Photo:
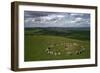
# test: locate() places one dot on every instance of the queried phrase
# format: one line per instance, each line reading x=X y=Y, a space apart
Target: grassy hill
x=56 y=43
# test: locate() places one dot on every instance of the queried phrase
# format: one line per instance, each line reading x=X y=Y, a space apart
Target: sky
x=55 y=19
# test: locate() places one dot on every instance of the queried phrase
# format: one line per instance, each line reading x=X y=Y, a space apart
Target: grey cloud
x=56 y=19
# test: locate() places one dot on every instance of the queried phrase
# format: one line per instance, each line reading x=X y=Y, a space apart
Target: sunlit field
x=56 y=43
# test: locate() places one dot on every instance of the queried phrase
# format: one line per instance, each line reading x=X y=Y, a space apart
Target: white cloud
x=45 y=19
x=73 y=14
x=57 y=20
x=78 y=19
x=28 y=20
x=77 y=14
x=72 y=21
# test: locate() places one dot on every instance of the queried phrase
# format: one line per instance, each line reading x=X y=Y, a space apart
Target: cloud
x=49 y=19
x=78 y=19
x=45 y=19
x=77 y=14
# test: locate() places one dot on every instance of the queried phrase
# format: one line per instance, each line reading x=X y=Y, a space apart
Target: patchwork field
x=56 y=43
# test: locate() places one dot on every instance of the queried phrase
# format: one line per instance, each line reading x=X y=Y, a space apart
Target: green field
x=56 y=43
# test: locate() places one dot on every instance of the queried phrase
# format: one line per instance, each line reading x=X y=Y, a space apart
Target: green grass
x=37 y=41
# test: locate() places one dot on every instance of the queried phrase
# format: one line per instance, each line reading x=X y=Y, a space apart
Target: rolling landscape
x=56 y=36
x=56 y=43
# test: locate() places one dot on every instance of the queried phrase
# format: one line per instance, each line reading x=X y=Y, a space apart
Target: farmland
x=56 y=43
